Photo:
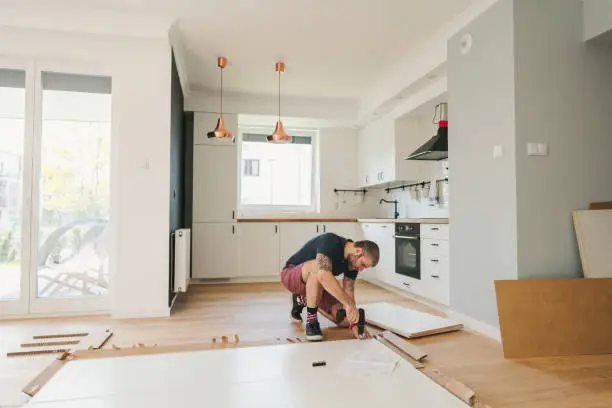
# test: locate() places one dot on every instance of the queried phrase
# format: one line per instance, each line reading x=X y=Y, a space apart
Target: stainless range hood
x=436 y=148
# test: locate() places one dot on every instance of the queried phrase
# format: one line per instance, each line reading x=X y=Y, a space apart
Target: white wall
x=481 y=86
x=339 y=169
x=140 y=70
x=563 y=98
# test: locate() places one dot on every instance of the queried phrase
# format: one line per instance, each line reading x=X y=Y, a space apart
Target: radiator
x=182 y=259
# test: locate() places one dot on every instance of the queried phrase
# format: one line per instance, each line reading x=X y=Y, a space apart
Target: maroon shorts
x=291 y=277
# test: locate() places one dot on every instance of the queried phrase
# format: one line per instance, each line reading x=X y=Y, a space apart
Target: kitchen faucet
x=396 y=214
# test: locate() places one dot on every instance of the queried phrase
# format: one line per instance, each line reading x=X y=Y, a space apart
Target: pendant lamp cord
x=279 y=92
x=221 y=102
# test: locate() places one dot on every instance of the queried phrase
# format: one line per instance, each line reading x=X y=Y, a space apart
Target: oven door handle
x=410 y=238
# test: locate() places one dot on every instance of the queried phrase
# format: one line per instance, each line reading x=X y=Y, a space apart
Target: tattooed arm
x=348 y=285
x=331 y=285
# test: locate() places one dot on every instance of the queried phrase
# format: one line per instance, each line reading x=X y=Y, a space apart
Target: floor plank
x=259 y=312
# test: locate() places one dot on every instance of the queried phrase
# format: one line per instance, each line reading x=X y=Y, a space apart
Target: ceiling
x=331 y=48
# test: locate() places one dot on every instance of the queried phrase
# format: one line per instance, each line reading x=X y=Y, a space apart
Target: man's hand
x=352 y=314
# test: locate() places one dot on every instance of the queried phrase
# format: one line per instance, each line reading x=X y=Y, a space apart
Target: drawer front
x=431 y=248
x=434 y=231
x=437 y=289
x=434 y=267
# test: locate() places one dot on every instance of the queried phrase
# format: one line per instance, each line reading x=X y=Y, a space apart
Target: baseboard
x=477 y=326
x=469 y=323
x=55 y=315
x=254 y=279
x=142 y=315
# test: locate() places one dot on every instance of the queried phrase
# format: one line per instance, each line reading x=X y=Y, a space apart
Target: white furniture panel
x=344 y=229
x=259 y=249
x=214 y=183
x=270 y=376
x=215 y=250
x=204 y=122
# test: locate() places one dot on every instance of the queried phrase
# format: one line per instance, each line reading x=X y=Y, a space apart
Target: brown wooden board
x=607 y=205
x=554 y=317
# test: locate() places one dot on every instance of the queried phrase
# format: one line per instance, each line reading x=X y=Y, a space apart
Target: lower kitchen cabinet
x=259 y=249
x=214 y=250
x=381 y=234
x=293 y=236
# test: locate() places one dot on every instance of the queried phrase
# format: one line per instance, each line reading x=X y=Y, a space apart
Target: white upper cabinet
x=214 y=183
x=204 y=122
x=383 y=145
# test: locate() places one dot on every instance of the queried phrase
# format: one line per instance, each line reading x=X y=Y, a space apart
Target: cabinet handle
x=276 y=229
x=233 y=229
x=435 y=228
x=382 y=176
x=317 y=228
x=406 y=284
x=435 y=276
x=434 y=260
x=324 y=228
x=233 y=214
x=434 y=244
x=367 y=178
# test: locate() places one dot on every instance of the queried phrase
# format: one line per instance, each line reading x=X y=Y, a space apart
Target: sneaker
x=296 y=309
x=313 y=331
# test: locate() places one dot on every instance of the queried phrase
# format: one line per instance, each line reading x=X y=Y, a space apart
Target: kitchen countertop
x=297 y=219
x=415 y=220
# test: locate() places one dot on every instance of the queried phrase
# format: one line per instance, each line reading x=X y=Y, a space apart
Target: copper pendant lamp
x=220 y=132
x=279 y=135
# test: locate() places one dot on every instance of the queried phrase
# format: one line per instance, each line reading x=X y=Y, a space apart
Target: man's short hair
x=370 y=248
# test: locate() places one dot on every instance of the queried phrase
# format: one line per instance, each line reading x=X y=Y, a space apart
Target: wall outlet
x=537 y=149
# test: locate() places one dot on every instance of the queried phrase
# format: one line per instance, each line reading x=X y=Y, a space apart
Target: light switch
x=497 y=151
x=537 y=149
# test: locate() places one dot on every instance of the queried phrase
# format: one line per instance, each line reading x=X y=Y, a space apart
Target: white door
x=259 y=249
x=214 y=250
x=55 y=163
x=214 y=183
x=293 y=235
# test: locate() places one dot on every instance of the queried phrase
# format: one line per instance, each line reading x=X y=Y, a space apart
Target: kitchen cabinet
x=381 y=234
x=293 y=235
x=204 y=122
x=344 y=229
x=215 y=249
x=435 y=271
x=258 y=249
x=383 y=145
x=214 y=183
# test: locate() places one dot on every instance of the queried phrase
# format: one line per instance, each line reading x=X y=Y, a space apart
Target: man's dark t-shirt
x=328 y=244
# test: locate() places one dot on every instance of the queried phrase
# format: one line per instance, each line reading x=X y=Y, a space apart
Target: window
x=277 y=177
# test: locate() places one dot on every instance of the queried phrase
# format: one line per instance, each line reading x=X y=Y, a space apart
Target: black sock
x=312 y=314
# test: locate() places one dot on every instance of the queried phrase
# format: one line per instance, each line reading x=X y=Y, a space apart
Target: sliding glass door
x=55 y=227
x=14 y=208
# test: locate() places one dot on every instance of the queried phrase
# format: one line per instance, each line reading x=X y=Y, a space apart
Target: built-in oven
x=408 y=249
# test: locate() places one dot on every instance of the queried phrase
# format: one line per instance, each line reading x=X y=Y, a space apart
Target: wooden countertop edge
x=297 y=220
x=379 y=220
x=414 y=220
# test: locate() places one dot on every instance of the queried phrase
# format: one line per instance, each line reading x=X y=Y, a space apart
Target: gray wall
x=563 y=98
x=597 y=18
x=482 y=189
x=529 y=77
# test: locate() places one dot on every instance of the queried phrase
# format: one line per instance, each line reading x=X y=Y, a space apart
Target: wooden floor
x=261 y=312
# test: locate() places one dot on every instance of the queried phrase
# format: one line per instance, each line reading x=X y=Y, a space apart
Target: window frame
x=265 y=209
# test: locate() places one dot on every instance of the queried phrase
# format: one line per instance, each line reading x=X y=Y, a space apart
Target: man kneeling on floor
x=310 y=275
